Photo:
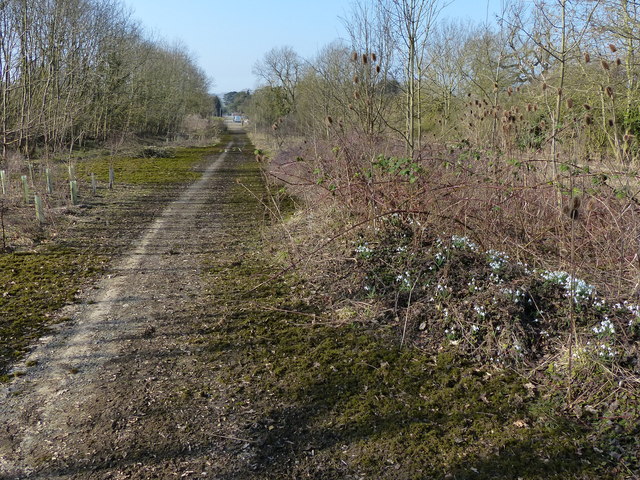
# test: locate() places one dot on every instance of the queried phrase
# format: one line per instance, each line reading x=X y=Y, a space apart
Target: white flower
x=605 y=327
x=463 y=243
x=480 y=311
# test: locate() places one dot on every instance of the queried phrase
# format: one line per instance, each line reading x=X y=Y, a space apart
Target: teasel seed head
x=572 y=209
x=588 y=119
x=354 y=56
x=569 y=103
x=604 y=64
x=618 y=62
x=611 y=123
x=587 y=106
x=613 y=48
x=609 y=91
x=365 y=59
x=373 y=57
x=587 y=57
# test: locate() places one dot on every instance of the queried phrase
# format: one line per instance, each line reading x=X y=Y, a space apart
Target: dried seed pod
x=355 y=79
x=587 y=106
x=544 y=86
x=373 y=57
x=354 y=56
x=609 y=91
x=572 y=209
x=611 y=123
x=613 y=48
x=569 y=103
x=604 y=64
x=618 y=62
x=588 y=119
x=328 y=120
x=365 y=59
x=377 y=68
x=587 y=57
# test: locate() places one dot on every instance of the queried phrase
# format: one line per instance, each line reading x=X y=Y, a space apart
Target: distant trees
x=234 y=102
x=72 y=70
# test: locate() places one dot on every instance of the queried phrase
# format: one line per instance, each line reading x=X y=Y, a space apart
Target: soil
x=118 y=391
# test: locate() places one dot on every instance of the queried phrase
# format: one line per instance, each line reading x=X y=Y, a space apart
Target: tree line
x=540 y=76
x=73 y=71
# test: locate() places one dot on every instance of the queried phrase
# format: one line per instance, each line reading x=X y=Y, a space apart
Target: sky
x=227 y=37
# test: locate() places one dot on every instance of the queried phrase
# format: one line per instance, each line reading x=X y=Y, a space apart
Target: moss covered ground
x=176 y=167
x=76 y=246
x=347 y=402
x=34 y=285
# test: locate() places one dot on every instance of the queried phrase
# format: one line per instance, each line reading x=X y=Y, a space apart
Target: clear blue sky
x=227 y=37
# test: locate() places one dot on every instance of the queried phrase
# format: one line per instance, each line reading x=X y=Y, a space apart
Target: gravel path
x=110 y=394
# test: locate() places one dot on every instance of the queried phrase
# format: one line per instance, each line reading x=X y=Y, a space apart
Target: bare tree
x=412 y=22
x=281 y=67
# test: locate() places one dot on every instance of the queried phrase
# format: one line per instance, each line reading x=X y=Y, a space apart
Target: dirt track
x=117 y=392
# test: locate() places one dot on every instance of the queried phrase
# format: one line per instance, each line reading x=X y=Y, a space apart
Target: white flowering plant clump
x=487 y=304
x=578 y=289
x=463 y=243
x=497 y=260
x=364 y=251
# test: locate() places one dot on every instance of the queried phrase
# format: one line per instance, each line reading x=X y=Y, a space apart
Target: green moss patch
x=347 y=400
x=177 y=168
x=33 y=285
